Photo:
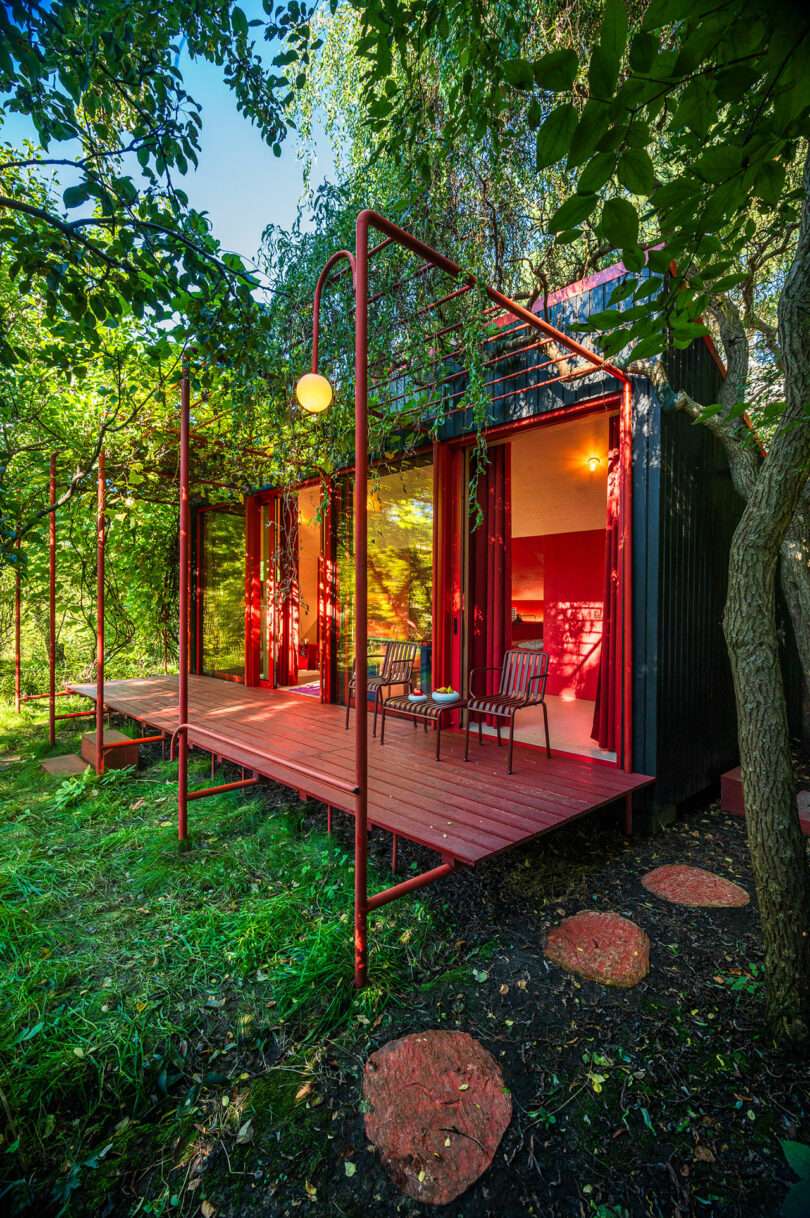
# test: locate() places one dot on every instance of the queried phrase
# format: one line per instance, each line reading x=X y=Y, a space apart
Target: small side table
x=425 y=712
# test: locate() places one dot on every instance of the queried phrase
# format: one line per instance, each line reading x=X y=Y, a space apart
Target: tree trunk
x=777 y=846
x=795 y=579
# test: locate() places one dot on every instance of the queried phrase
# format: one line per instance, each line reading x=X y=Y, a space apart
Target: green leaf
x=664 y=12
x=619 y=223
x=798 y=1158
x=603 y=72
x=636 y=171
x=797 y=1202
x=719 y=162
x=573 y=211
x=769 y=182
x=614 y=28
x=642 y=51
x=633 y=258
x=557 y=70
x=593 y=123
x=239 y=21
x=696 y=108
x=596 y=173
x=518 y=73
x=74 y=196
x=554 y=136
x=653 y=344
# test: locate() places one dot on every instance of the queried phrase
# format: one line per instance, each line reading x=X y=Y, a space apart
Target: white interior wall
x=553 y=490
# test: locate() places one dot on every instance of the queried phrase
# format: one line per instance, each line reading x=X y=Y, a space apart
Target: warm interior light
x=593 y=463
x=314 y=392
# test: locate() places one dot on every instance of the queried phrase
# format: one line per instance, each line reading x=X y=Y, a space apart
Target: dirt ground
x=662 y=1101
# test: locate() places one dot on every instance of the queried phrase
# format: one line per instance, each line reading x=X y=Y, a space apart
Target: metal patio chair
x=396 y=669
x=523 y=677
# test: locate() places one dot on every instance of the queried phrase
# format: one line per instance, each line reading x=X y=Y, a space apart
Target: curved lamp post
x=314 y=394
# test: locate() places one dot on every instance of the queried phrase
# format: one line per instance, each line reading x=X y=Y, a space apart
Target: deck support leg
x=101 y=537
x=328 y=818
x=52 y=606
x=182 y=708
x=628 y=813
x=17 y=630
x=213 y=764
x=361 y=901
x=394 y=852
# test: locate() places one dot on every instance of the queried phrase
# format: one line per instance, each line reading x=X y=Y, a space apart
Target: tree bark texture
x=778 y=852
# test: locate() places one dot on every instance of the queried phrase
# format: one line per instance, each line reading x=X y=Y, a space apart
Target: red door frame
x=448 y=556
x=253 y=588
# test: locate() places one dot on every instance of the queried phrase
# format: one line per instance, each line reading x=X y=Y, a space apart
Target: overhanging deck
x=464 y=811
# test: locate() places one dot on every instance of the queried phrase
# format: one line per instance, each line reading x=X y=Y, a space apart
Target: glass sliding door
x=222 y=594
x=400 y=566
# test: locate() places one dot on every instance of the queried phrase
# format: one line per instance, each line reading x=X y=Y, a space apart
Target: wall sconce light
x=593 y=463
x=314 y=393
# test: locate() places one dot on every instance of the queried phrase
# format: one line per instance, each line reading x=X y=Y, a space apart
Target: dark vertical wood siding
x=697 y=725
x=646 y=537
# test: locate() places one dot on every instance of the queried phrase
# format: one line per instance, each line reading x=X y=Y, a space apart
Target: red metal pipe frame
x=122 y=744
x=626 y=572
x=202 y=792
x=183 y=728
x=17 y=633
x=358 y=266
x=361 y=904
x=101 y=537
x=185 y=524
x=52 y=605
x=409 y=885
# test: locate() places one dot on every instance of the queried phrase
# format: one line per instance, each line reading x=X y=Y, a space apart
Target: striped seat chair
x=523 y=677
x=398 y=660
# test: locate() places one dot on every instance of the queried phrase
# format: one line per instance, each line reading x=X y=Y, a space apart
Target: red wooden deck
x=465 y=812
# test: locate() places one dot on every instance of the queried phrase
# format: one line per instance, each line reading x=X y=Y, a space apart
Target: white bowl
x=446 y=699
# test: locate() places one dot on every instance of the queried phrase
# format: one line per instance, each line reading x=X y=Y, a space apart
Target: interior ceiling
x=553 y=488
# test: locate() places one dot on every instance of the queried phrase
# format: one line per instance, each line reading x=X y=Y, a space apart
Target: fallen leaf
x=303 y=1091
x=704 y=1155
x=207 y=1209
x=349 y=1168
x=245 y=1133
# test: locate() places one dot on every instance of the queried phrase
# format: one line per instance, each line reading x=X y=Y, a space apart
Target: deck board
x=465 y=811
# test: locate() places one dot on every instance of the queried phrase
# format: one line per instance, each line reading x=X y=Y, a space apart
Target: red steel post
x=17 y=632
x=52 y=607
x=626 y=499
x=101 y=533
x=182 y=707
x=360 y=597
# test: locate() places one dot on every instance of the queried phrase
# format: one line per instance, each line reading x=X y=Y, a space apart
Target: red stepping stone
x=684 y=885
x=437 y=1110
x=603 y=947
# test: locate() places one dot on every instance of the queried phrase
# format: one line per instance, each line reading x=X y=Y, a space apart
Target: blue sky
x=239 y=182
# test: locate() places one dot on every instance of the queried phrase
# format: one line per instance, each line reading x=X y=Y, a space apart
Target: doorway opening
x=542 y=574
x=290 y=559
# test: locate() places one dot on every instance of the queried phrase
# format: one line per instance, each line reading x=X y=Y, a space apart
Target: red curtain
x=607 y=717
x=287 y=671
x=490 y=587
x=448 y=510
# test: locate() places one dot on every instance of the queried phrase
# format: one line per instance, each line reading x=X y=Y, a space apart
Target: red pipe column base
x=183 y=839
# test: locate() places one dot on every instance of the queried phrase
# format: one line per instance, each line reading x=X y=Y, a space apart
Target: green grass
x=136 y=983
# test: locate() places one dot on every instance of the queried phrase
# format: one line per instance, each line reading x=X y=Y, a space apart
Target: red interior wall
x=573 y=588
